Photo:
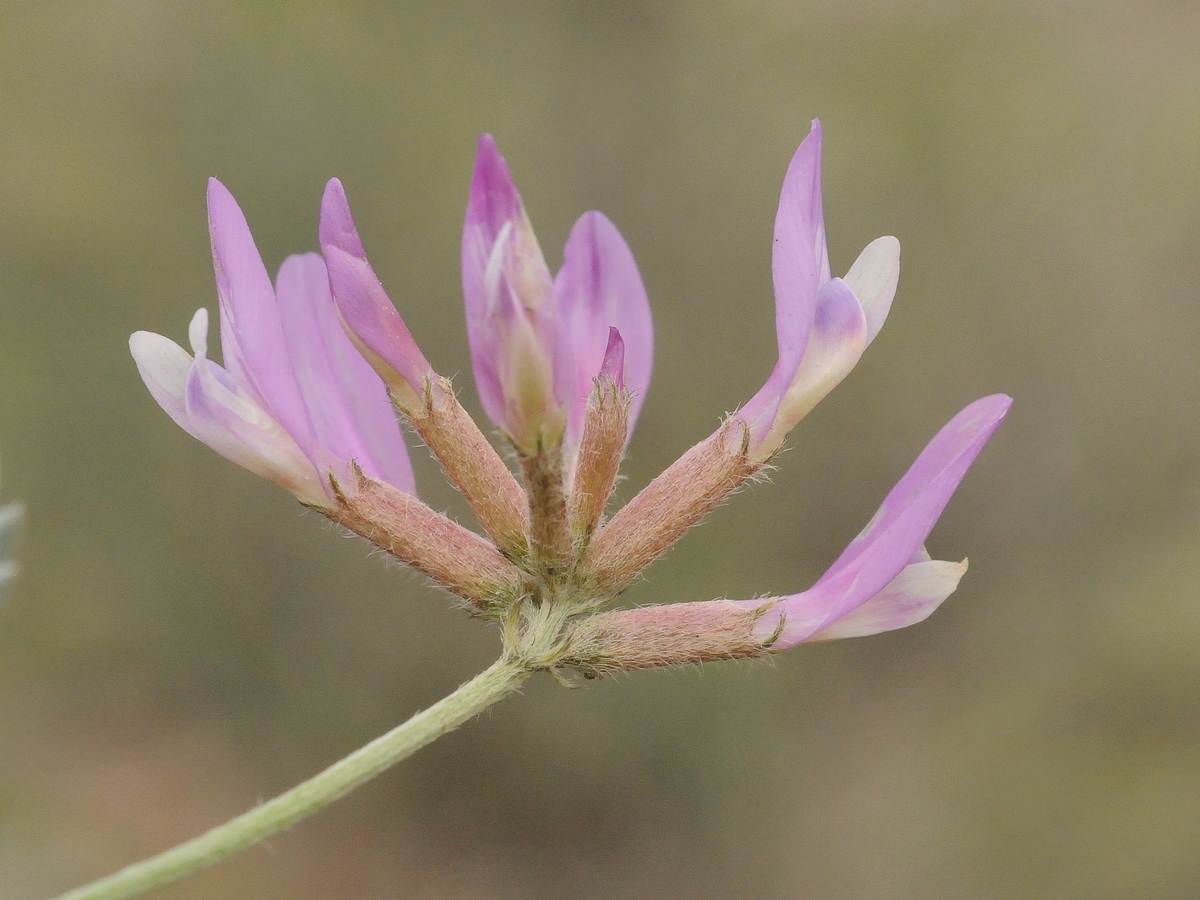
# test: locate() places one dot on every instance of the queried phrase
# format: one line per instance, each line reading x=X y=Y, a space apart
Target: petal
x=347 y=402
x=226 y=418
x=909 y=598
x=494 y=200
x=800 y=260
x=835 y=344
x=370 y=319
x=873 y=278
x=800 y=267
x=896 y=535
x=598 y=288
x=252 y=342
x=613 y=365
x=164 y=367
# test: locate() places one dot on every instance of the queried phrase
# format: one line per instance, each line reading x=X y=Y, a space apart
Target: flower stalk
x=490 y=686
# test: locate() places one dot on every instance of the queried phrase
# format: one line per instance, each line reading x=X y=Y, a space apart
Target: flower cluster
x=316 y=363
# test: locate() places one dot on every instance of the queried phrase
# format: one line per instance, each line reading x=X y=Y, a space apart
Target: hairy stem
x=274 y=816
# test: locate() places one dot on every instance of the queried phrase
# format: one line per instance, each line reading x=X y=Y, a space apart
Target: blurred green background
x=184 y=640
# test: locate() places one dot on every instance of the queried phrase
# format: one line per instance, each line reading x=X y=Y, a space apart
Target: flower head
x=562 y=364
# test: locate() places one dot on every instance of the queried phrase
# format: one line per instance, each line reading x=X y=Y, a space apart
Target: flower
x=537 y=345
x=823 y=324
x=885 y=579
x=295 y=401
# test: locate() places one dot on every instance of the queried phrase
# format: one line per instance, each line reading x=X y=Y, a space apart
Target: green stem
x=494 y=684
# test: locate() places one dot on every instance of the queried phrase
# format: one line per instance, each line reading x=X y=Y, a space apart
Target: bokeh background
x=184 y=640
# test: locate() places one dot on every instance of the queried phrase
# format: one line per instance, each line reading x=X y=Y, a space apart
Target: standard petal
x=252 y=344
x=164 y=367
x=347 y=402
x=231 y=422
x=598 y=288
x=493 y=209
x=909 y=598
x=370 y=319
x=873 y=278
x=800 y=259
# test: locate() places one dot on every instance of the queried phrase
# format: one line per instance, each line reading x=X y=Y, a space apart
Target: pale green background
x=185 y=640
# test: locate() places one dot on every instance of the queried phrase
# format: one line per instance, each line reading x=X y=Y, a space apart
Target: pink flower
x=823 y=324
x=294 y=400
x=885 y=579
x=537 y=344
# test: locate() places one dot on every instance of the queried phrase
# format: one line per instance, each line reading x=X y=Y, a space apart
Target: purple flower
x=538 y=344
x=294 y=400
x=885 y=579
x=822 y=324
x=370 y=319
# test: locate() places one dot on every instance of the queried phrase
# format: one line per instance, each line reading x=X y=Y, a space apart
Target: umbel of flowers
x=317 y=364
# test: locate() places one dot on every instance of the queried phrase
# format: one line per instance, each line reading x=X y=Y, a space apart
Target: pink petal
x=835 y=344
x=938 y=469
x=598 y=288
x=613 y=365
x=800 y=267
x=252 y=342
x=347 y=402
x=800 y=260
x=494 y=200
x=370 y=318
